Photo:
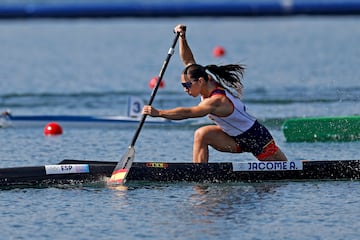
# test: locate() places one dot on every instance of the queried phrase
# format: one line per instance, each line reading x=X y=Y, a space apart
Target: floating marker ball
x=153 y=82
x=218 y=51
x=52 y=128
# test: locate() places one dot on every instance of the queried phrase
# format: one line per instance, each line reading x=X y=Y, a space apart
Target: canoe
x=80 y=121
x=311 y=129
x=88 y=171
x=131 y=119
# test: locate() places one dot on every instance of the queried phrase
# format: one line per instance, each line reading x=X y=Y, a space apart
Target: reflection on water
x=230 y=199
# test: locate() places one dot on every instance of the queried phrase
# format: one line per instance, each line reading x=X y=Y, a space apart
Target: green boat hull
x=322 y=129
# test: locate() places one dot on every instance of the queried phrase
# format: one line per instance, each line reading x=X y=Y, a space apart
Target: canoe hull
x=80 y=121
x=84 y=171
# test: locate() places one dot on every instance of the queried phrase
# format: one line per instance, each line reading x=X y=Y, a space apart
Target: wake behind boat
x=86 y=171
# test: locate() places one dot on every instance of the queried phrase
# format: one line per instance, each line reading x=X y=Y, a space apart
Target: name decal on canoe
x=267 y=166
x=157 y=165
x=66 y=168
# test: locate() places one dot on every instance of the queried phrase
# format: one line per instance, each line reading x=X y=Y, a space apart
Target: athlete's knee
x=205 y=136
x=200 y=134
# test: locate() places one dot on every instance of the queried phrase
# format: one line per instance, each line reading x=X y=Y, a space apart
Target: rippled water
x=295 y=210
x=297 y=66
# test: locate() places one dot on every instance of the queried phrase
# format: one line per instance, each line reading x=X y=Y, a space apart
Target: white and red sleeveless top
x=238 y=121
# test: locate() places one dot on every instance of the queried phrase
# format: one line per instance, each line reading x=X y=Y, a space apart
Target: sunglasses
x=188 y=85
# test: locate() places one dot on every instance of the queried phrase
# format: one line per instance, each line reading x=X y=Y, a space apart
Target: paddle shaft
x=161 y=74
x=123 y=167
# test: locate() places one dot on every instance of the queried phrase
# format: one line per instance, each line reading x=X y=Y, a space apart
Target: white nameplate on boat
x=66 y=168
x=267 y=166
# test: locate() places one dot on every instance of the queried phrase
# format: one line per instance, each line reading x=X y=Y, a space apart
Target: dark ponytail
x=232 y=74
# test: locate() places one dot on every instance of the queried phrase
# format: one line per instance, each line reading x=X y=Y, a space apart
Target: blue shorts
x=257 y=140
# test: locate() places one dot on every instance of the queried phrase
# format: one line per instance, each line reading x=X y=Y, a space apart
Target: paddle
x=121 y=170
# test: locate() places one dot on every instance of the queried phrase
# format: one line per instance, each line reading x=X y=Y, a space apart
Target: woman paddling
x=220 y=88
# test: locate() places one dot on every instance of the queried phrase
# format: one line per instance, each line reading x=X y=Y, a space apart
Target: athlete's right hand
x=180 y=29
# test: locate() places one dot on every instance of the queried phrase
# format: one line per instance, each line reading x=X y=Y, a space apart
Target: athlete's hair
x=227 y=76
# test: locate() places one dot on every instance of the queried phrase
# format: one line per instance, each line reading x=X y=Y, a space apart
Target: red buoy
x=153 y=81
x=52 y=128
x=218 y=51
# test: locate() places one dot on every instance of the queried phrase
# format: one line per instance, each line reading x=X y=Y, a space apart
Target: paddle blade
x=121 y=170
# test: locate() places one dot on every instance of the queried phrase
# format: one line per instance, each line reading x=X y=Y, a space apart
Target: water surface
x=296 y=66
